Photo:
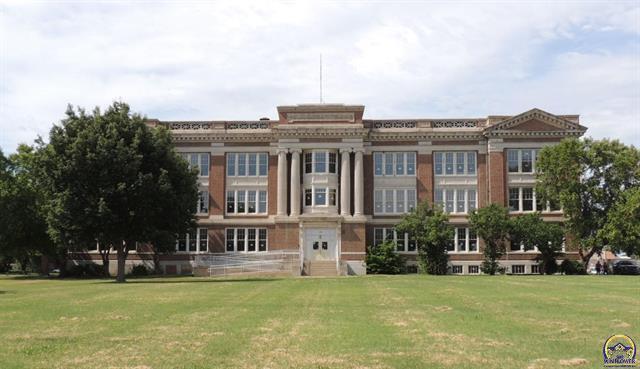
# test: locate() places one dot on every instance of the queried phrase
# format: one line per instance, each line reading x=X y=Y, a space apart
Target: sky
x=196 y=60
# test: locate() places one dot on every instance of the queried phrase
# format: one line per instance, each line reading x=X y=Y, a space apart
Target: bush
x=570 y=267
x=383 y=259
x=89 y=270
x=139 y=270
x=5 y=264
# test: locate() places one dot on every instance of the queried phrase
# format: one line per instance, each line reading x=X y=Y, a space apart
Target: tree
x=588 y=178
x=622 y=229
x=429 y=226
x=23 y=230
x=492 y=224
x=531 y=231
x=383 y=259
x=111 y=179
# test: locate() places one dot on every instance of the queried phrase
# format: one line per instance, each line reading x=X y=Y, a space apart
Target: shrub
x=88 y=270
x=570 y=267
x=139 y=270
x=383 y=259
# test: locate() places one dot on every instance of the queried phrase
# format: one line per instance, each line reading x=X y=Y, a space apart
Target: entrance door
x=320 y=244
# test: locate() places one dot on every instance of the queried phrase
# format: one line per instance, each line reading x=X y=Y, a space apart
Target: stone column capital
x=295 y=150
x=345 y=150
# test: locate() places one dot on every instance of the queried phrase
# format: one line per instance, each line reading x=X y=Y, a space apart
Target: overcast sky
x=205 y=61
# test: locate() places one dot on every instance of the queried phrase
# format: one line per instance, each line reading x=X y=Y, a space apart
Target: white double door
x=320 y=244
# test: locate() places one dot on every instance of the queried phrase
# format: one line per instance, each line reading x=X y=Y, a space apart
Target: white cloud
x=221 y=60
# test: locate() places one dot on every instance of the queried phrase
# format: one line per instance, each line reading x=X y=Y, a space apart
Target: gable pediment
x=535 y=120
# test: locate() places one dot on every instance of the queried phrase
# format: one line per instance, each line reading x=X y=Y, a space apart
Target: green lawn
x=350 y=322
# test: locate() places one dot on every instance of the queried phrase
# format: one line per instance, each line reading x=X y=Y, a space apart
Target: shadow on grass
x=162 y=279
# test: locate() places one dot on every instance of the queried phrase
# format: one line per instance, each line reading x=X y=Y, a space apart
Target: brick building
x=325 y=182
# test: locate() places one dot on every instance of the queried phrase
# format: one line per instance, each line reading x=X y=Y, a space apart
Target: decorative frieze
x=454 y=124
x=247 y=125
x=189 y=125
x=394 y=124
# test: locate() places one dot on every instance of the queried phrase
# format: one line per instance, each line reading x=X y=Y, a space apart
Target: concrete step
x=322 y=268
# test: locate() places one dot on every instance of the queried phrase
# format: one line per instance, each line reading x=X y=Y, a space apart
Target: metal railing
x=270 y=262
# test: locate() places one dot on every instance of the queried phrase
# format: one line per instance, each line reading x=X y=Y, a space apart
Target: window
x=247 y=202
x=320 y=162
x=403 y=241
x=535 y=269
x=203 y=202
x=473 y=269
x=332 y=197
x=247 y=164
x=394 y=201
x=394 y=163
x=517 y=269
x=198 y=161
x=246 y=239
x=308 y=197
x=521 y=160
x=455 y=163
x=320 y=196
x=194 y=241
x=456 y=200
x=456 y=269
x=464 y=240
x=514 y=199
x=527 y=199
x=524 y=199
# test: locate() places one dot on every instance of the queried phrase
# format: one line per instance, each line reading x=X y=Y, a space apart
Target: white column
x=295 y=182
x=282 y=182
x=345 y=183
x=358 y=186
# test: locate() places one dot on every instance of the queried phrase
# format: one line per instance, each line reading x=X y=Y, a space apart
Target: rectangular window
x=462 y=239
x=460 y=163
x=388 y=234
x=251 y=239
x=240 y=205
x=512 y=160
x=308 y=164
x=262 y=202
x=203 y=202
x=456 y=269
x=242 y=165
x=204 y=165
x=401 y=241
x=332 y=197
x=517 y=269
x=263 y=165
x=400 y=201
x=540 y=205
x=527 y=199
x=377 y=200
x=439 y=197
x=251 y=202
x=203 y=240
x=411 y=163
x=253 y=162
x=388 y=164
x=411 y=200
x=514 y=199
x=378 y=236
x=449 y=163
x=231 y=236
x=307 y=197
x=262 y=239
x=377 y=163
x=527 y=161
x=535 y=269
x=474 y=269
x=412 y=244
x=471 y=163
x=438 y=163
x=182 y=243
x=460 y=197
x=321 y=196
x=399 y=164
x=193 y=241
x=388 y=201
x=471 y=200
x=473 y=241
x=332 y=162
x=449 y=201
x=240 y=239
x=451 y=246
x=231 y=165
x=193 y=162
x=320 y=158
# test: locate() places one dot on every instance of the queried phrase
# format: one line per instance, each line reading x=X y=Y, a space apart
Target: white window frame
x=523 y=270
x=457 y=269
x=518 y=152
x=546 y=209
x=203 y=199
x=385 y=233
x=236 y=164
x=187 y=239
x=382 y=156
x=467 y=242
x=409 y=201
x=441 y=156
x=245 y=239
x=202 y=159
x=327 y=161
x=327 y=193
x=245 y=193
x=457 y=193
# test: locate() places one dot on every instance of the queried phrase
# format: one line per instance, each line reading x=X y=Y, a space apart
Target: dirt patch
x=538 y=363
x=620 y=324
x=442 y=309
x=576 y=361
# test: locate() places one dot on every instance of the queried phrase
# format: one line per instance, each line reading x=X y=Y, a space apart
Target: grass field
x=356 y=322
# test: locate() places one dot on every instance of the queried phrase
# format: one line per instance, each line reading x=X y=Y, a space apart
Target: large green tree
x=23 y=230
x=111 y=179
x=623 y=224
x=432 y=232
x=588 y=178
x=532 y=231
x=493 y=225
